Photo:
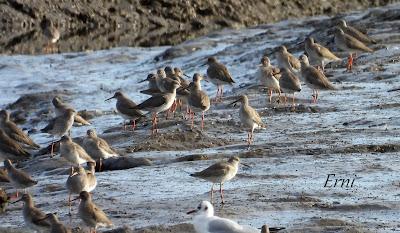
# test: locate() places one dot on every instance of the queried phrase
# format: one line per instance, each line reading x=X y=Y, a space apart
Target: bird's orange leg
x=350 y=62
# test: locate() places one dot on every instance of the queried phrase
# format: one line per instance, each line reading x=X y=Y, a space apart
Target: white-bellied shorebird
x=60 y=126
x=205 y=222
x=97 y=147
x=33 y=216
x=218 y=74
x=77 y=182
x=198 y=100
x=15 y=133
x=314 y=78
x=126 y=108
x=158 y=103
x=219 y=172
x=56 y=225
x=18 y=178
x=73 y=152
x=249 y=117
x=267 y=75
x=289 y=83
x=351 y=31
x=318 y=54
x=91 y=175
x=287 y=60
x=60 y=108
x=10 y=148
x=349 y=44
x=91 y=215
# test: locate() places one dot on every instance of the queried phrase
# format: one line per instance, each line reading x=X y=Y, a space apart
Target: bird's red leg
x=350 y=62
x=134 y=125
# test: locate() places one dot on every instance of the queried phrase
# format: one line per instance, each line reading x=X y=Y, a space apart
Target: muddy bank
x=352 y=132
x=93 y=25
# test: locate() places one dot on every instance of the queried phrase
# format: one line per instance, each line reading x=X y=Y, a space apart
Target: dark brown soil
x=102 y=24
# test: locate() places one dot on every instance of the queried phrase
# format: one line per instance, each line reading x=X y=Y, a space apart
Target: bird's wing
x=37 y=216
x=199 y=99
x=294 y=62
x=289 y=81
x=129 y=108
x=217 y=169
x=353 y=43
x=18 y=135
x=79 y=119
x=105 y=146
x=317 y=78
x=256 y=117
x=10 y=146
x=324 y=52
x=100 y=216
x=154 y=101
x=223 y=225
x=219 y=71
x=82 y=153
x=354 y=32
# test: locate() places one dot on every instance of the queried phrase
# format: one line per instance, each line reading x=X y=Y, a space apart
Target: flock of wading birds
x=168 y=90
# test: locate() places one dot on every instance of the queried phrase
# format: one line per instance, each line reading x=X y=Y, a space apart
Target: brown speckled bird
x=15 y=133
x=314 y=78
x=219 y=75
x=349 y=44
x=90 y=214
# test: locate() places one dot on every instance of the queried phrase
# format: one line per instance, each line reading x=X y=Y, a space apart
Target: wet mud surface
x=352 y=132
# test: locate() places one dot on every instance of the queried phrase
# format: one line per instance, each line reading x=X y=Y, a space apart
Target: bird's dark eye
x=206 y=208
x=199 y=207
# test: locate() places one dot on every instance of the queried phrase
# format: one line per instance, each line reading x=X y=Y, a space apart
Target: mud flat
x=104 y=24
x=352 y=132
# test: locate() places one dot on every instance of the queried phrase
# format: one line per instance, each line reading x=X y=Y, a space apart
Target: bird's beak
x=301 y=42
x=191 y=212
x=144 y=80
x=234 y=102
x=245 y=164
x=16 y=201
x=109 y=98
x=77 y=198
x=187 y=76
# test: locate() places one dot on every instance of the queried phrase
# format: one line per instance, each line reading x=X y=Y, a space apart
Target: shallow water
x=289 y=161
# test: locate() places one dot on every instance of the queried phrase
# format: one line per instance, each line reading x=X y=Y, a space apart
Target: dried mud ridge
x=102 y=24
